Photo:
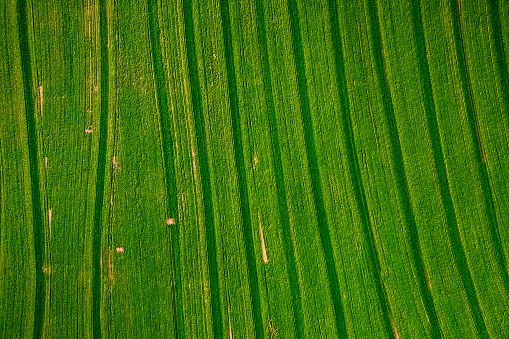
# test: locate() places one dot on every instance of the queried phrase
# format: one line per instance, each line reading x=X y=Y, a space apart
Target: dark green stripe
x=101 y=171
x=167 y=143
x=500 y=59
x=40 y=283
x=476 y=142
x=286 y=235
x=241 y=170
x=354 y=168
x=399 y=166
x=459 y=255
x=323 y=225
x=203 y=163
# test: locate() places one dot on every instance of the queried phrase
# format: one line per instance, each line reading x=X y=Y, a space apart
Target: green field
x=254 y=169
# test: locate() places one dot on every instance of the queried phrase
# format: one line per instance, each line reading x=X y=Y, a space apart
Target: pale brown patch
x=111 y=200
x=120 y=249
x=40 y=98
x=96 y=88
x=49 y=220
x=88 y=131
x=230 y=327
x=194 y=164
x=110 y=267
x=229 y=321
x=116 y=166
x=46 y=162
x=255 y=161
x=264 y=252
x=170 y=221
x=46 y=269
x=396 y=335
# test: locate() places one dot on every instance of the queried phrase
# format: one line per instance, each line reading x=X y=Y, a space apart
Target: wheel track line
x=459 y=255
x=286 y=234
x=204 y=169
x=38 y=225
x=323 y=225
x=101 y=172
x=476 y=141
x=241 y=170
x=167 y=144
x=354 y=168
x=114 y=121
x=401 y=178
x=465 y=80
x=497 y=40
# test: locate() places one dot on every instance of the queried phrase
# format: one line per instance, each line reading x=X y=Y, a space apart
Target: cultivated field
x=254 y=169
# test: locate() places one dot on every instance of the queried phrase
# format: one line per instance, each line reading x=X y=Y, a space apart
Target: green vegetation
x=254 y=169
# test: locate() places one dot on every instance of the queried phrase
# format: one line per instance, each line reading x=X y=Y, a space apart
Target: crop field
x=254 y=169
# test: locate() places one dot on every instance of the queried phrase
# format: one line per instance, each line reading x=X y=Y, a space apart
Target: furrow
x=465 y=81
x=38 y=225
x=400 y=177
x=323 y=226
x=354 y=168
x=167 y=143
x=204 y=169
x=241 y=170
x=459 y=255
x=279 y=176
x=476 y=142
x=498 y=42
x=101 y=171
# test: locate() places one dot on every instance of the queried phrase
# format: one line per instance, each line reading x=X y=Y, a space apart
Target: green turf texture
x=254 y=169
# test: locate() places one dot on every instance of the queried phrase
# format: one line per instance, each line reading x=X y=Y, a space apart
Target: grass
x=144 y=146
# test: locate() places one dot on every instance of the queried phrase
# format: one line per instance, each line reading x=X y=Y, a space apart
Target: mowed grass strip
x=405 y=83
x=258 y=131
x=376 y=146
x=487 y=191
x=488 y=85
x=167 y=131
x=101 y=171
x=498 y=18
x=204 y=170
x=66 y=165
x=307 y=121
x=318 y=309
x=349 y=235
x=240 y=169
x=37 y=222
x=354 y=168
x=17 y=258
x=138 y=262
x=495 y=24
x=369 y=141
x=235 y=282
x=317 y=314
x=398 y=163
x=466 y=171
x=194 y=263
x=439 y=162
x=279 y=179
